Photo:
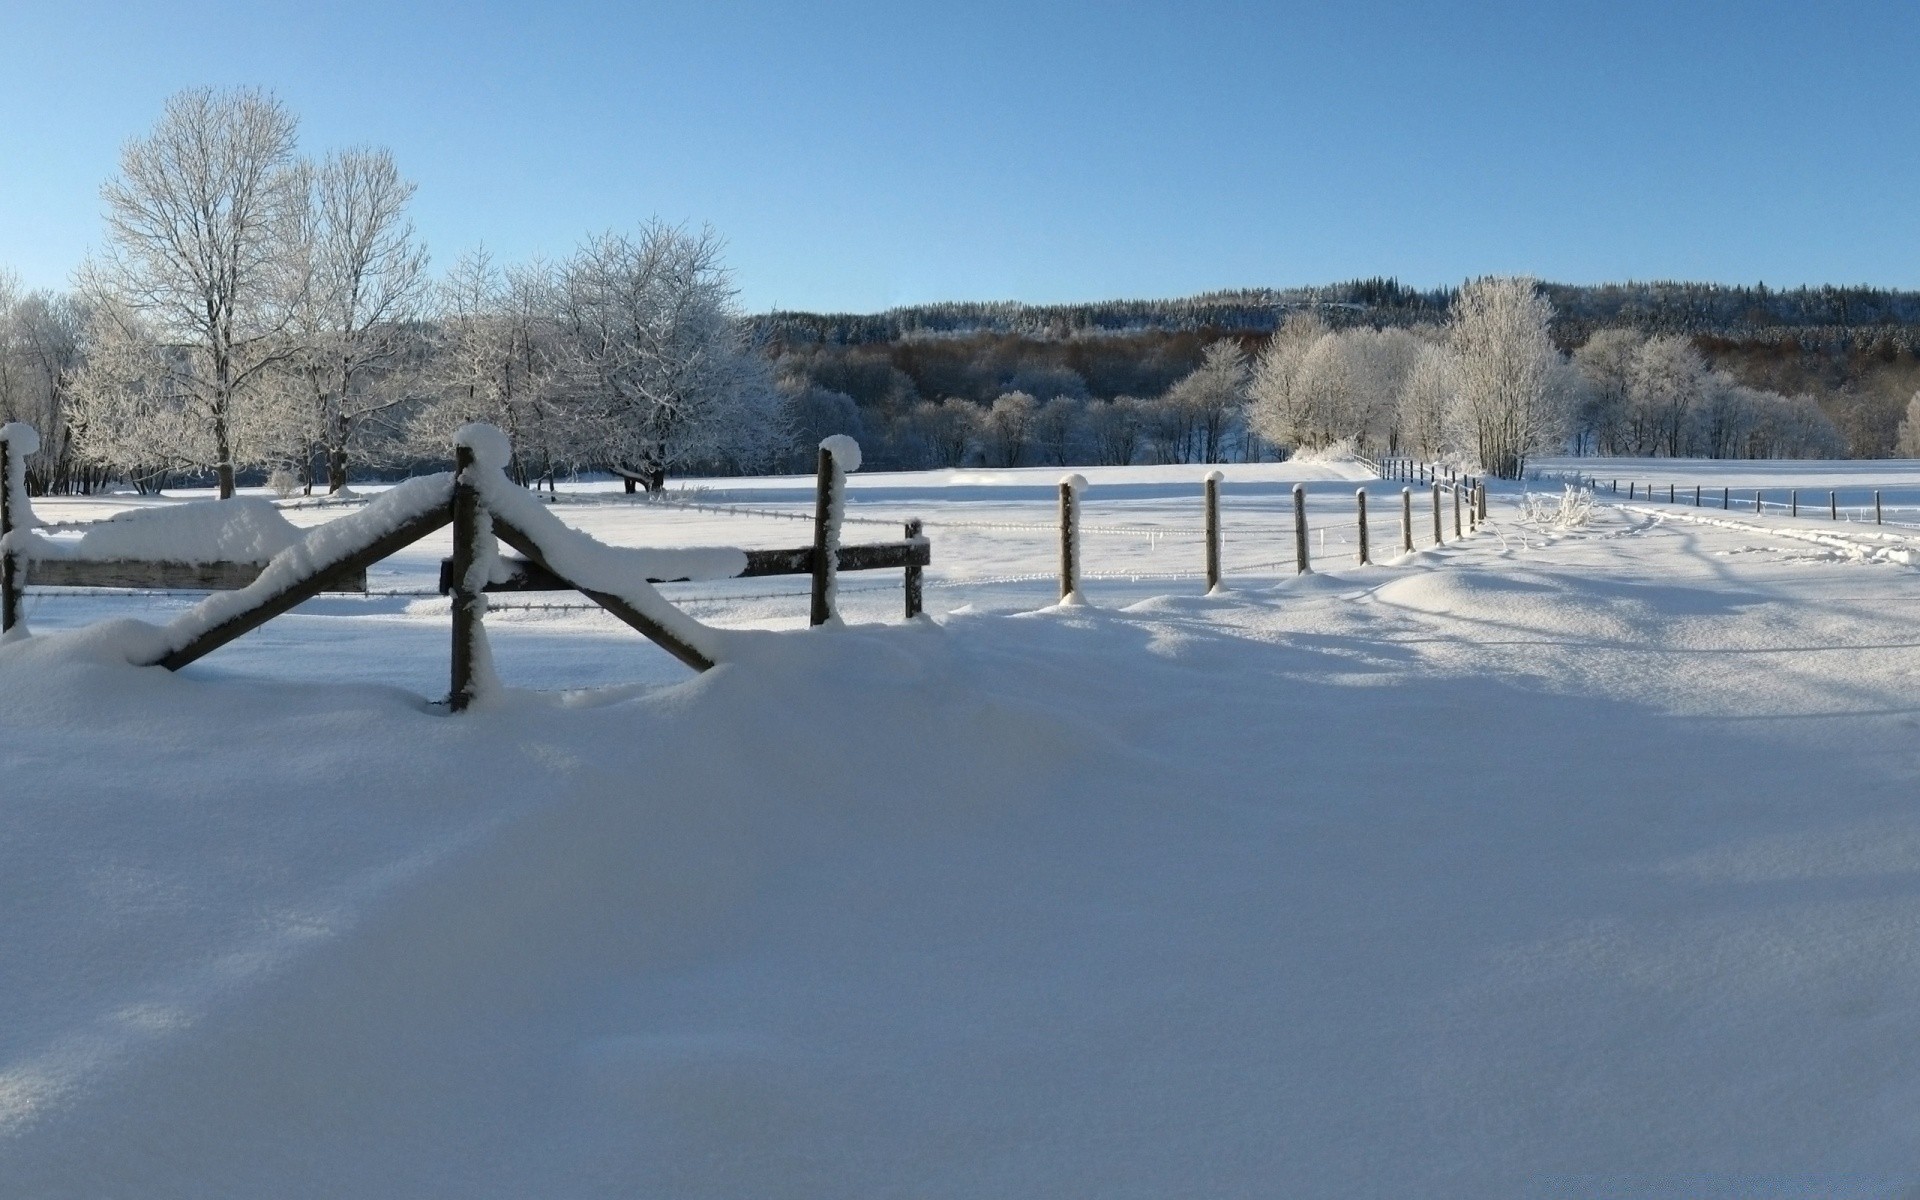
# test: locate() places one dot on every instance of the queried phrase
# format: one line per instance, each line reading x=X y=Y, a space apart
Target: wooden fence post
x=1480 y=499
x=1669 y=493
x=1726 y=498
x=469 y=601
x=11 y=565
x=1302 y=566
x=1211 y=493
x=821 y=609
x=1793 y=503
x=1070 y=536
x=1360 y=507
x=1439 y=539
x=1696 y=495
x=1756 y=500
x=1406 y=520
x=1876 y=506
x=1833 y=506
x=1455 y=489
x=913 y=573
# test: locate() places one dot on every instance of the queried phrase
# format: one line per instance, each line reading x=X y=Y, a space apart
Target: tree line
x=254 y=312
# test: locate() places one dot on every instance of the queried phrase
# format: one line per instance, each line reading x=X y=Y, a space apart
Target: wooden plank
x=525 y=575
x=306 y=588
x=513 y=536
x=161 y=576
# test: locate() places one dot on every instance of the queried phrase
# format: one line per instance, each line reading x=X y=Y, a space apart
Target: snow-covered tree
x=131 y=412
x=1213 y=398
x=367 y=284
x=1279 y=407
x=1009 y=427
x=657 y=354
x=1056 y=429
x=1907 y=440
x=1607 y=361
x=947 y=429
x=1514 y=390
x=1667 y=382
x=1115 y=427
x=203 y=222
x=1427 y=402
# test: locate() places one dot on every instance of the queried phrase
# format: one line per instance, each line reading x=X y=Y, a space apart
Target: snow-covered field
x=1553 y=862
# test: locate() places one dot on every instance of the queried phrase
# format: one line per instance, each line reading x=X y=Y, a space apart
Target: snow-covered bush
x=1571 y=509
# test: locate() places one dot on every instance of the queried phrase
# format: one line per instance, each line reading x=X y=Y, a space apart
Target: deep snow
x=1543 y=864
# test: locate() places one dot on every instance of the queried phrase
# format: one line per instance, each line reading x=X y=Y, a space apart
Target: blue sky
x=859 y=156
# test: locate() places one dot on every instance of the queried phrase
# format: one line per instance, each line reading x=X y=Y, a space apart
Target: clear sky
x=859 y=156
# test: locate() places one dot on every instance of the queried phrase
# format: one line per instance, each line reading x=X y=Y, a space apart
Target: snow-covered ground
x=1547 y=863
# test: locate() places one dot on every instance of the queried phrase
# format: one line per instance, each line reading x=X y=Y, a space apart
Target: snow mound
x=246 y=529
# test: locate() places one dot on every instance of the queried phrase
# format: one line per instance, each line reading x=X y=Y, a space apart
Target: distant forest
x=1854 y=350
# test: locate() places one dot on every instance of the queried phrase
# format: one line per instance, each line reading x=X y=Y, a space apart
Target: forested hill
x=1834 y=316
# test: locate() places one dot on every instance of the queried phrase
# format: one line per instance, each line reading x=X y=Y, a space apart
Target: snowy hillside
x=1547 y=863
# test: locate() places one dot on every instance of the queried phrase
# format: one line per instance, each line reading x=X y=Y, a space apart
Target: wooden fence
x=481 y=505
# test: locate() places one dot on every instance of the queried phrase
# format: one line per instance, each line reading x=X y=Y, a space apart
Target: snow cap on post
x=490 y=447
x=24 y=438
x=1215 y=477
x=845 y=451
x=1076 y=481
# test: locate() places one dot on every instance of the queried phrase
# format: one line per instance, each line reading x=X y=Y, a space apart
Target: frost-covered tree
x=367 y=286
x=947 y=429
x=496 y=359
x=1607 y=362
x=131 y=412
x=658 y=355
x=809 y=414
x=1667 y=382
x=1115 y=428
x=1009 y=427
x=40 y=336
x=1056 y=429
x=202 y=225
x=1514 y=390
x=1427 y=402
x=1213 y=398
x=1907 y=440
x=1279 y=408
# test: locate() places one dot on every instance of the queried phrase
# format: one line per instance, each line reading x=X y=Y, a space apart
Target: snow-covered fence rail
x=202 y=547
x=822 y=561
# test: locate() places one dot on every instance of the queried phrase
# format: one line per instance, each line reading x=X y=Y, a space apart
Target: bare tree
x=200 y=224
